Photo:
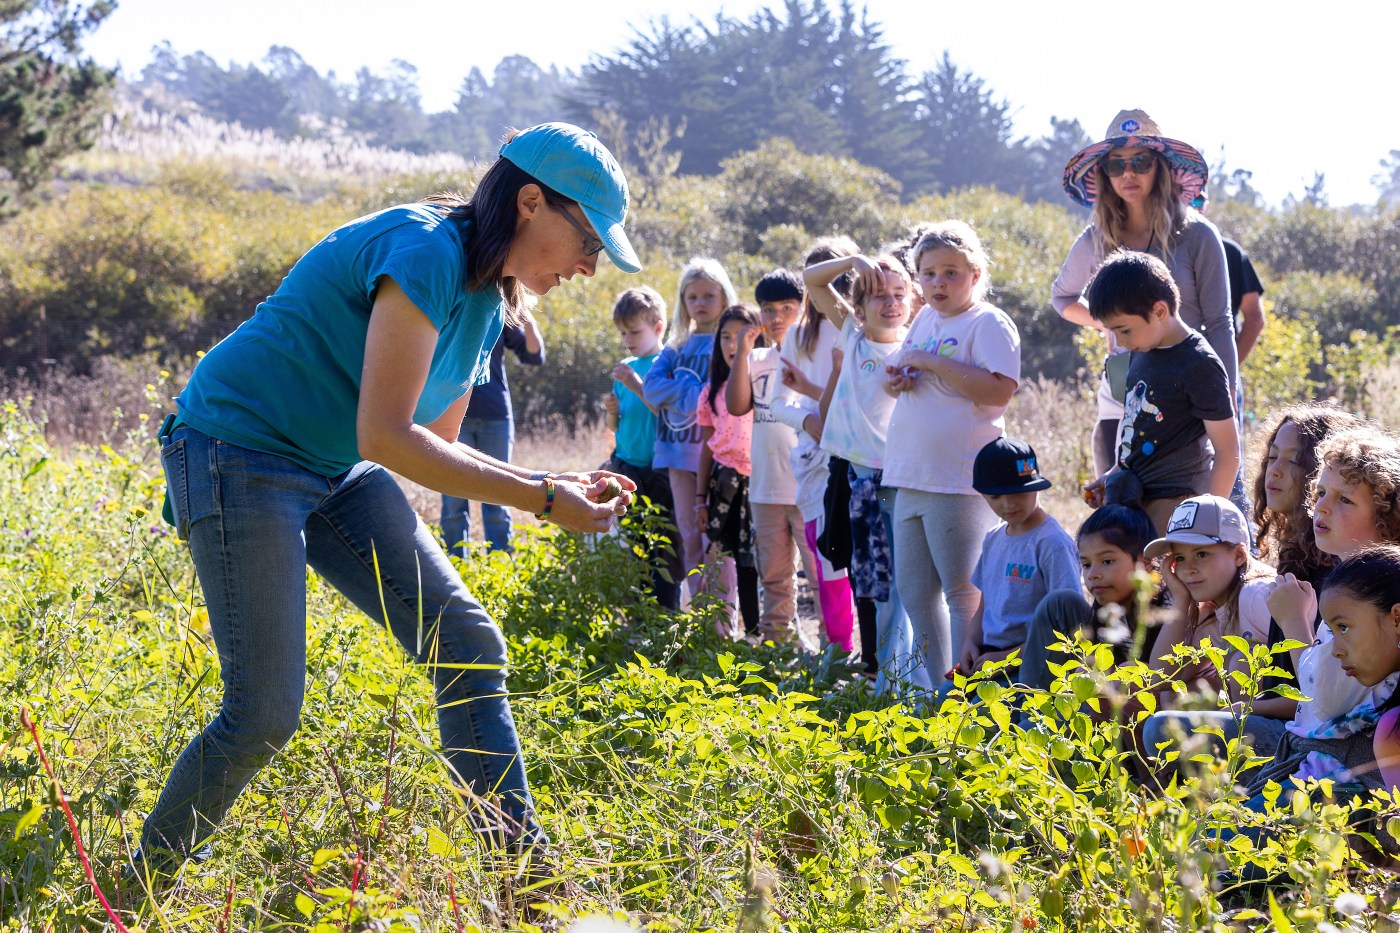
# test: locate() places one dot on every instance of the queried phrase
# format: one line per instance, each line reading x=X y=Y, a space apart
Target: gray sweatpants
x=937 y=540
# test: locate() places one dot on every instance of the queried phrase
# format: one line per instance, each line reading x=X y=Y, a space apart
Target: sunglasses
x=1141 y=164
x=592 y=246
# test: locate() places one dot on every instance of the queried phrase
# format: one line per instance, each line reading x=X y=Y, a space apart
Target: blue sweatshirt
x=674 y=384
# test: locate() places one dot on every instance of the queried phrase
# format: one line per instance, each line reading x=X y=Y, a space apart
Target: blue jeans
x=254 y=523
x=495 y=439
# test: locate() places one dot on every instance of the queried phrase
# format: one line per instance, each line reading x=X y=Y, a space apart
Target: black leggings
x=865 y=616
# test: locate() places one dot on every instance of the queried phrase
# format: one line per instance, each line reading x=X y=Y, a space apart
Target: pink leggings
x=833 y=596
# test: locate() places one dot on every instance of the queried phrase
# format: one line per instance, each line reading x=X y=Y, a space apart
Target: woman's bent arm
x=398 y=352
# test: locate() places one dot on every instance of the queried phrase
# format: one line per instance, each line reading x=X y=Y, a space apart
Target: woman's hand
x=573 y=510
x=596 y=484
x=798 y=382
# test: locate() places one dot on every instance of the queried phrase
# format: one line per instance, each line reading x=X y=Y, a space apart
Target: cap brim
x=1189 y=168
x=1162 y=545
x=615 y=242
x=1033 y=486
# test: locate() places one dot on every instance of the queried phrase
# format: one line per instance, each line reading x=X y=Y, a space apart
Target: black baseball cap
x=1005 y=467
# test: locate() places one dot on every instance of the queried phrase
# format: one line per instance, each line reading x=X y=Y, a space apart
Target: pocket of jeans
x=172 y=461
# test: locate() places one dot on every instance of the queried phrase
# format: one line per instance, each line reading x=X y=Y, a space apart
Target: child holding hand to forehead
x=853 y=425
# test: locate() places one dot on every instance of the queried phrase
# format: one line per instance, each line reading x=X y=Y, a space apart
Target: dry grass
x=1383 y=394
x=1057 y=418
x=134 y=140
x=119 y=398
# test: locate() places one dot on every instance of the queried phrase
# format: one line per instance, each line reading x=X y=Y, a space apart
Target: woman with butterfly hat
x=1139 y=183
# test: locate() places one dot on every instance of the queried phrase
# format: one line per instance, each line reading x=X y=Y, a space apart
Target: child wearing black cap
x=1025 y=557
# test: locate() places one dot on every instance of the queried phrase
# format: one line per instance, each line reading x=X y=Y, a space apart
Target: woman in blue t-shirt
x=279 y=459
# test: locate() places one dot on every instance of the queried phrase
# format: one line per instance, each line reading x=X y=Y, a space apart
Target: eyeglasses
x=1141 y=164
x=592 y=246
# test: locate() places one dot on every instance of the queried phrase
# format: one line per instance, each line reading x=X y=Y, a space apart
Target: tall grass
x=136 y=140
x=689 y=783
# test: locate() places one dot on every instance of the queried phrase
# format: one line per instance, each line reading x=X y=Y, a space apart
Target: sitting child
x=1111 y=544
x=1024 y=558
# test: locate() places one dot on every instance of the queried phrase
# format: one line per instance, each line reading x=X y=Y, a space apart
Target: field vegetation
x=688 y=783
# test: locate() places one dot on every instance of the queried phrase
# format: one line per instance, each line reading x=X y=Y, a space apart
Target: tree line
x=676 y=98
x=817 y=73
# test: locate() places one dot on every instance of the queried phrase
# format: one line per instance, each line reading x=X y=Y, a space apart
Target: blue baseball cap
x=576 y=164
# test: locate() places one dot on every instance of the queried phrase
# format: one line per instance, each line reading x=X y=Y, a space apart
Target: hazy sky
x=1280 y=88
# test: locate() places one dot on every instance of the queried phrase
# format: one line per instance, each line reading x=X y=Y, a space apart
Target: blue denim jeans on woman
x=254 y=523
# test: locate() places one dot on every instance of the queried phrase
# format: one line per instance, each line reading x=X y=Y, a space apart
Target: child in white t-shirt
x=953 y=379
x=855 y=412
x=806 y=369
x=756 y=385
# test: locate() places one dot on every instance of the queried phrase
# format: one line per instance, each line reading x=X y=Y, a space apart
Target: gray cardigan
x=1197 y=263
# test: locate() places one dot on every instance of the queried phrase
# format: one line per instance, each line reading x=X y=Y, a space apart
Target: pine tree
x=51 y=100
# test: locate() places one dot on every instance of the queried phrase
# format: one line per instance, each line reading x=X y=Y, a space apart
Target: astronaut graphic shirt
x=1172 y=392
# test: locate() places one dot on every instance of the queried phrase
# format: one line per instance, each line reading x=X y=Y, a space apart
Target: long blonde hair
x=1169 y=213
x=682 y=327
x=1227 y=611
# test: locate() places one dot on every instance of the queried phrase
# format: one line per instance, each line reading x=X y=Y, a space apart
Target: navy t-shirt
x=491 y=400
x=1172 y=392
x=1243 y=278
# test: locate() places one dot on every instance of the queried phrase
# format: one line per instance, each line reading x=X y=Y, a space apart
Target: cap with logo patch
x=1005 y=467
x=1202 y=520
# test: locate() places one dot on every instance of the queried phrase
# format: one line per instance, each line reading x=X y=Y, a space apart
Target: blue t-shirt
x=635 y=439
x=673 y=385
x=287 y=381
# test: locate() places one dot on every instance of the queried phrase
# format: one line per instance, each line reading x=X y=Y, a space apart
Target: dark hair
x=1125 y=527
x=643 y=302
x=1371 y=575
x=487 y=218
x=1286 y=538
x=779 y=285
x=810 y=327
x=1130 y=282
x=719 y=369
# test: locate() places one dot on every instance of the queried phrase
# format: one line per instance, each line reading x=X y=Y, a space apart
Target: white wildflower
x=1349 y=905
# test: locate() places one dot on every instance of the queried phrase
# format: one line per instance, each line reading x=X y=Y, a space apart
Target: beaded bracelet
x=548 y=498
